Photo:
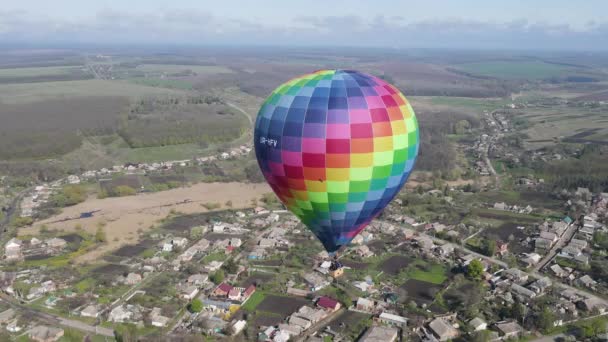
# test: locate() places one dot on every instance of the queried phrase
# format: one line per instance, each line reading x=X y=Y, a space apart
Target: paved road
x=566 y=237
x=57 y=320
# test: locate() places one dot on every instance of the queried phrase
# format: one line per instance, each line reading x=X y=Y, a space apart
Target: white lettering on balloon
x=268 y=142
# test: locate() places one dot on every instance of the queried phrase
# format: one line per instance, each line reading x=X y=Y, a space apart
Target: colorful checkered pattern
x=336 y=146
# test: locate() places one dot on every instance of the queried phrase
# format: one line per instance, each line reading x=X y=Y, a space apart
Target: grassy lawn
x=436 y=274
x=256 y=298
x=62 y=259
x=515 y=69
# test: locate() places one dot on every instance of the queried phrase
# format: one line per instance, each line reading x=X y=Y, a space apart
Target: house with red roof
x=328 y=304
x=248 y=292
x=222 y=290
x=235 y=293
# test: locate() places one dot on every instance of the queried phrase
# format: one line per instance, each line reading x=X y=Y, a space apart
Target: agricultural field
x=37 y=71
x=178 y=69
x=39 y=92
x=548 y=126
x=531 y=70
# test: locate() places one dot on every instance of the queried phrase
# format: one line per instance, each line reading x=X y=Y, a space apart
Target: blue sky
x=492 y=24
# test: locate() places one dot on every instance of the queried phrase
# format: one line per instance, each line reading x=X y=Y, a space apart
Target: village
x=258 y=273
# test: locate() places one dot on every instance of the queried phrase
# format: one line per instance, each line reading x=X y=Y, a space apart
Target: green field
x=176 y=68
x=478 y=105
x=516 y=69
x=163 y=83
x=435 y=274
x=37 y=71
x=256 y=298
x=37 y=92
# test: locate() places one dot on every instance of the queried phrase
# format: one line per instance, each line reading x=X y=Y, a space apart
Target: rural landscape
x=133 y=207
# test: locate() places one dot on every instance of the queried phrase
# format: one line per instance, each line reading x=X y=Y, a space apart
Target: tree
x=195 y=306
x=545 y=319
x=218 y=276
x=231 y=266
x=475 y=269
x=489 y=247
x=518 y=311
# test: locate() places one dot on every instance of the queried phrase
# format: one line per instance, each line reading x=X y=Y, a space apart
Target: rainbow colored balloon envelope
x=336 y=146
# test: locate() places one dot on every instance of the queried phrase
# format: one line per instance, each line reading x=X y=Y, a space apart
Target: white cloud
x=201 y=27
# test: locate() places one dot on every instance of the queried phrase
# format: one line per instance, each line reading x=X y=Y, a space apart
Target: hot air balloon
x=336 y=146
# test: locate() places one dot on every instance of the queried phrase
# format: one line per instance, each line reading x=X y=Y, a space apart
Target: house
x=157 y=319
x=587 y=281
x=222 y=290
x=408 y=234
x=559 y=271
x=248 y=292
x=364 y=286
x=132 y=279
x=197 y=279
x=591 y=304
x=35 y=241
x=315 y=282
x=549 y=236
x=515 y=275
x=478 y=324
x=310 y=314
x=120 y=314
x=235 y=293
x=299 y=321
x=189 y=292
x=377 y=334
x=364 y=304
x=394 y=320
x=237 y=327
x=542 y=245
x=509 y=329
x=522 y=292
x=357 y=240
x=570 y=252
x=424 y=242
x=167 y=247
x=442 y=330
x=290 y=329
x=42 y=333
x=500 y=206
x=12 y=249
x=328 y=304
x=531 y=259
x=179 y=242
x=363 y=251
x=90 y=311
x=213 y=266
x=56 y=243
x=541 y=285
x=13 y=326
x=445 y=249
x=502 y=248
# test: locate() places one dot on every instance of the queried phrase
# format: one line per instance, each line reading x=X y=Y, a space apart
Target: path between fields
x=126 y=218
